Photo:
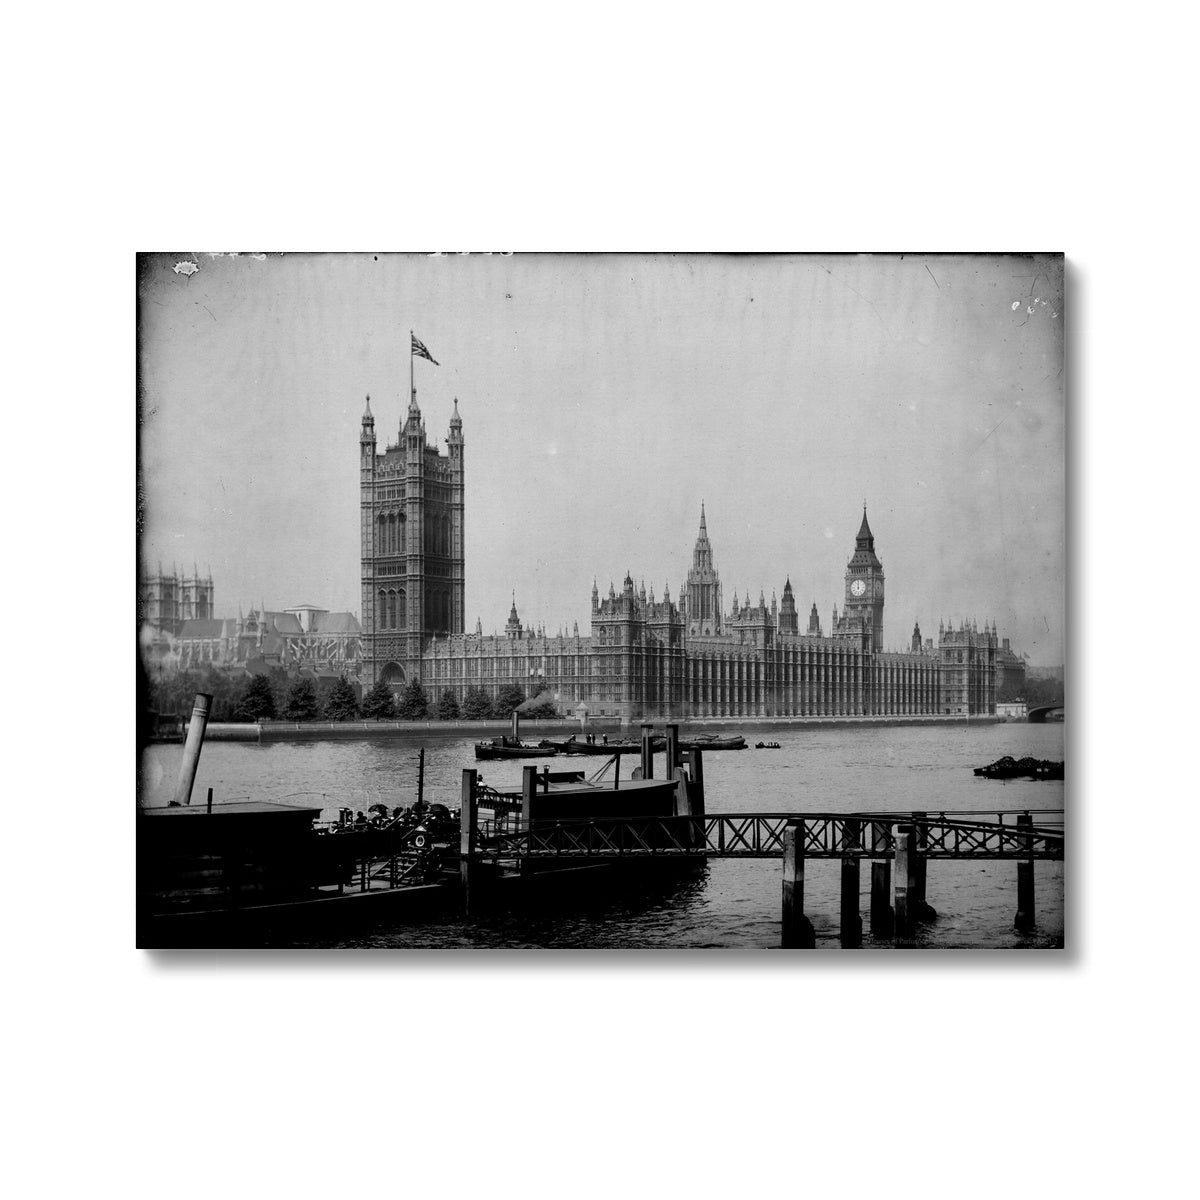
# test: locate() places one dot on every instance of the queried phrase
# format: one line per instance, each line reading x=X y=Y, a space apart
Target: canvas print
x=601 y=601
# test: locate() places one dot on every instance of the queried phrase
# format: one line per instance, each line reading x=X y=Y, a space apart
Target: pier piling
x=696 y=771
x=529 y=783
x=919 y=909
x=191 y=750
x=797 y=932
x=851 y=921
x=468 y=824
x=672 y=756
x=882 y=920
x=1024 y=920
x=903 y=925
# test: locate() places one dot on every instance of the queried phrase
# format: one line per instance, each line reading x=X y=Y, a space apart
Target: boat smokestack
x=515 y=728
x=191 y=750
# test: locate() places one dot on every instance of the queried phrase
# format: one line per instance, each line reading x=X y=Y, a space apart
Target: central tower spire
x=702 y=591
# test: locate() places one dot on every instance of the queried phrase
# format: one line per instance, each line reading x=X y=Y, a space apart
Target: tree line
x=275 y=696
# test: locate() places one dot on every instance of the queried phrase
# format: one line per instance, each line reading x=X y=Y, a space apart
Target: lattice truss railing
x=760 y=835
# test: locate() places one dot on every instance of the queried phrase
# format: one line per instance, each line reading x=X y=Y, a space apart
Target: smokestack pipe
x=191 y=750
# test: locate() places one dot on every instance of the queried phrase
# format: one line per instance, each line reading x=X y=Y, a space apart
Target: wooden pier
x=899 y=846
x=641 y=821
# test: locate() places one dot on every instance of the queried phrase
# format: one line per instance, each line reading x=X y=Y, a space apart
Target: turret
x=366 y=439
x=512 y=628
x=700 y=596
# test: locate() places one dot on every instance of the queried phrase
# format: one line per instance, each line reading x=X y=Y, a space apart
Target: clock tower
x=864 y=586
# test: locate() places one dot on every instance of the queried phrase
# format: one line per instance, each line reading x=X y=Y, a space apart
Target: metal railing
x=760 y=835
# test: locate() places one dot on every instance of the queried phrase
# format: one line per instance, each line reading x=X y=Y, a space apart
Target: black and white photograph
x=649 y=533
x=602 y=601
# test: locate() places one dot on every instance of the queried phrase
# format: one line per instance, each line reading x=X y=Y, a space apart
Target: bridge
x=1038 y=715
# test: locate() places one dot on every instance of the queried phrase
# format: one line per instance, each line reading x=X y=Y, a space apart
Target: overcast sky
x=603 y=398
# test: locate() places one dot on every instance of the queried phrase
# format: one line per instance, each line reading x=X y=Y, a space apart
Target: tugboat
x=506 y=747
x=766 y=745
x=1021 y=768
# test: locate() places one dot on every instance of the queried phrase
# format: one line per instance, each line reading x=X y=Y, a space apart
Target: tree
x=257 y=702
x=379 y=704
x=301 y=701
x=510 y=696
x=447 y=709
x=476 y=705
x=342 y=703
x=413 y=703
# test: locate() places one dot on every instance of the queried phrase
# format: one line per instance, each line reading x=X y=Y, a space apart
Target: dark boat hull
x=485 y=751
x=1024 y=768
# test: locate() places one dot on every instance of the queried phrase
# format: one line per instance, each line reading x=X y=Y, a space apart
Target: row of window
x=392 y=612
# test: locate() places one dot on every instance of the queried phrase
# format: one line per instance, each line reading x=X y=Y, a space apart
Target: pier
x=560 y=828
x=898 y=845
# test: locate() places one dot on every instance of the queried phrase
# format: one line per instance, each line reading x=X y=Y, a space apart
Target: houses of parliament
x=645 y=657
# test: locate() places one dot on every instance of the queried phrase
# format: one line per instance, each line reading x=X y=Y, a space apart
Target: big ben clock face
x=879 y=587
x=857 y=588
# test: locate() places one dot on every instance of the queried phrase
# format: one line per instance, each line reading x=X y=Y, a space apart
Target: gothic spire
x=865 y=538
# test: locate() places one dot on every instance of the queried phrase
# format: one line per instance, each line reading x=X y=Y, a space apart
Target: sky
x=603 y=398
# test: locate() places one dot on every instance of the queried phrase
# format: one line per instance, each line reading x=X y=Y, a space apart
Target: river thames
x=733 y=903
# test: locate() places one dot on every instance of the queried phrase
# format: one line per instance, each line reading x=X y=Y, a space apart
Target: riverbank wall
x=292 y=731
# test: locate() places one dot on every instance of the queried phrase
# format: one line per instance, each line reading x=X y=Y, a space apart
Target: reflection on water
x=728 y=902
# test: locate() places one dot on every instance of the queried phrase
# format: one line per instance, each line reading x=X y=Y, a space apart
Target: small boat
x=766 y=745
x=1021 y=768
x=709 y=741
x=505 y=747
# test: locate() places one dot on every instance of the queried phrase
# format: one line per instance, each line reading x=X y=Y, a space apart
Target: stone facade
x=412 y=545
x=165 y=601
x=297 y=639
x=644 y=657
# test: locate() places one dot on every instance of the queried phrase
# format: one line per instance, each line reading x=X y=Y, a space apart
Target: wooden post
x=648 y=752
x=919 y=909
x=421 y=776
x=672 y=759
x=851 y=921
x=529 y=782
x=882 y=921
x=468 y=824
x=208 y=806
x=696 y=770
x=1025 y=920
x=683 y=800
x=797 y=931
x=192 y=748
x=903 y=920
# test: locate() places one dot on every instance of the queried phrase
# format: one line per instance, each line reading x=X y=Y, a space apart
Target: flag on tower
x=418 y=348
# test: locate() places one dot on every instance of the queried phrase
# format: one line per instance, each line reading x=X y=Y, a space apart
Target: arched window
x=381 y=535
x=446 y=536
x=402 y=548
x=381 y=617
x=401 y=610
